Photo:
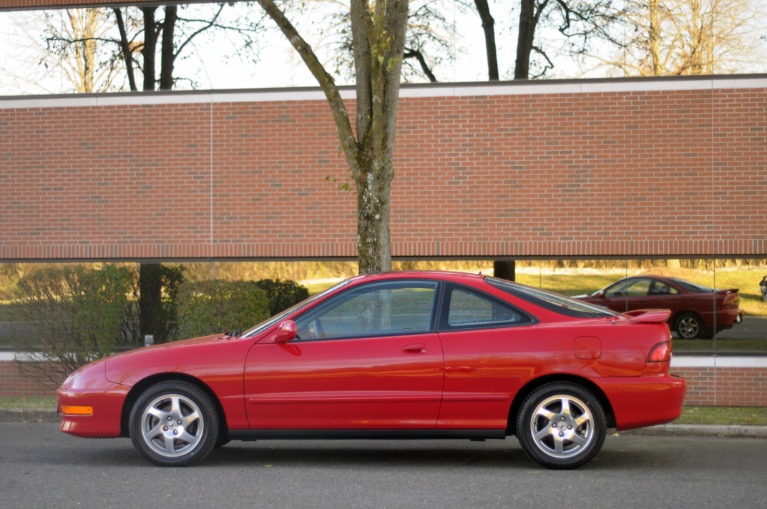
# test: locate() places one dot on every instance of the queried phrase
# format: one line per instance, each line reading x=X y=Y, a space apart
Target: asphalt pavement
x=42 y=467
x=753 y=327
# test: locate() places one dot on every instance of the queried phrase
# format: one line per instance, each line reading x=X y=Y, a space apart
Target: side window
x=467 y=308
x=661 y=288
x=618 y=289
x=378 y=309
x=640 y=288
x=629 y=288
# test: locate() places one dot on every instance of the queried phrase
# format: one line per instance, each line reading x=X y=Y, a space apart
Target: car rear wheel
x=690 y=326
x=561 y=425
x=174 y=424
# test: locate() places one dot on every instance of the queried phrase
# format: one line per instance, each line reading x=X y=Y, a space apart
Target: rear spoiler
x=648 y=315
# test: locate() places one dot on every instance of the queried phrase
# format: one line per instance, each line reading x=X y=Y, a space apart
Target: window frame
x=357 y=290
x=444 y=315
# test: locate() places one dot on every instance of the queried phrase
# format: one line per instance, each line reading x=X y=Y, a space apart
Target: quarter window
x=468 y=308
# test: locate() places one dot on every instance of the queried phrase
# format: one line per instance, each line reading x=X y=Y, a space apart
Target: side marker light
x=76 y=410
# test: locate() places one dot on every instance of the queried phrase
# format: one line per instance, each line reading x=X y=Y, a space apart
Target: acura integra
x=390 y=356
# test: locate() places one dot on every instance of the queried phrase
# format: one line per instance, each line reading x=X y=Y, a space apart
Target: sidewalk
x=681 y=430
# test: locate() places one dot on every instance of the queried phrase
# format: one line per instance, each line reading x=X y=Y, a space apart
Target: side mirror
x=285 y=332
x=600 y=294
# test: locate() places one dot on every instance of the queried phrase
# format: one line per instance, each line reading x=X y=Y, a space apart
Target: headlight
x=70 y=380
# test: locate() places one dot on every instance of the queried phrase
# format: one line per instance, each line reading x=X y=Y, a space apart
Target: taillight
x=660 y=352
x=659 y=358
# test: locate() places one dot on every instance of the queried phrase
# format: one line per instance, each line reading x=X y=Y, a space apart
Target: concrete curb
x=23 y=415
x=701 y=430
x=28 y=415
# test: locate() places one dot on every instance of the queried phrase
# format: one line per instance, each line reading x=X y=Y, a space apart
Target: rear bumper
x=644 y=401
x=727 y=319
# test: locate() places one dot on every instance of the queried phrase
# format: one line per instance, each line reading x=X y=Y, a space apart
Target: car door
x=664 y=296
x=490 y=351
x=368 y=358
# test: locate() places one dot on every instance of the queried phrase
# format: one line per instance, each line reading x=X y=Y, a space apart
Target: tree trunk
x=150 y=47
x=126 y=49
x=168 y=55
x=378 y=40
x=654 y=38
x=488 y=27
x=150 y=301
x=525 y=38
x=505 y=269
x=373 y=212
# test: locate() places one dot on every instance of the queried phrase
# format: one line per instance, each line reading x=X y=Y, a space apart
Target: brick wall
x=16 y=380
x=634 y=168
x=723 y=381
x=725 y=386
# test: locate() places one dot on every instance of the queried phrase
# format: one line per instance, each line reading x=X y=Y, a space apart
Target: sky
x=278 y=65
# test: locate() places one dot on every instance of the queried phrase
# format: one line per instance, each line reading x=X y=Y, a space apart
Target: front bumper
x=90 y=405
x=105 y=420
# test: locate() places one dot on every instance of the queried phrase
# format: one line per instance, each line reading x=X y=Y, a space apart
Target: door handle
x=458 y=369
x=416 y=349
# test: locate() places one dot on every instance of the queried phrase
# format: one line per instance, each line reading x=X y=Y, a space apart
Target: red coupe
x=696 y=311
x=398 y=355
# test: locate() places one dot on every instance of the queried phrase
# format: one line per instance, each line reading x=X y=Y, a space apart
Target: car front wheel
x=173 y=424
x=561 y=425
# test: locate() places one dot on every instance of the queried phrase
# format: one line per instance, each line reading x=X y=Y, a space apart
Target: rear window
x=691 y=287
x=551 y=301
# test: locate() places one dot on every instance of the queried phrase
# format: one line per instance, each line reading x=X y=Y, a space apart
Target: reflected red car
x=696 y=311
x=397 y=355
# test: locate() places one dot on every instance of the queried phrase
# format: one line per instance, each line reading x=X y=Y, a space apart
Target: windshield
x=280 y=316
x=552 y=301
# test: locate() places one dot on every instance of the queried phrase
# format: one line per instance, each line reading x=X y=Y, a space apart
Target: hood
x=127 y=367
x=173 y=345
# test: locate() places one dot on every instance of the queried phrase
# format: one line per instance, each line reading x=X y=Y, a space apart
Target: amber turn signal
x=76 y=410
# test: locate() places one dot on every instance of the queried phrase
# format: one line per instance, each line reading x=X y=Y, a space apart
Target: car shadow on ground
x=354 y=454
x=363 y=454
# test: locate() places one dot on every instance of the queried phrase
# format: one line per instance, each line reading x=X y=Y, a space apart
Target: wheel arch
x=676 y=316
x=532 y=385
x=144 y=384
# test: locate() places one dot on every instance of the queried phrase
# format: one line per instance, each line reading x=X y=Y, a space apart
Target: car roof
x=423 y=274
x=649 y=276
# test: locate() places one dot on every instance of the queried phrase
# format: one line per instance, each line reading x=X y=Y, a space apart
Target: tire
x=688 y=325
x=561 y=425
x=174 y=424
